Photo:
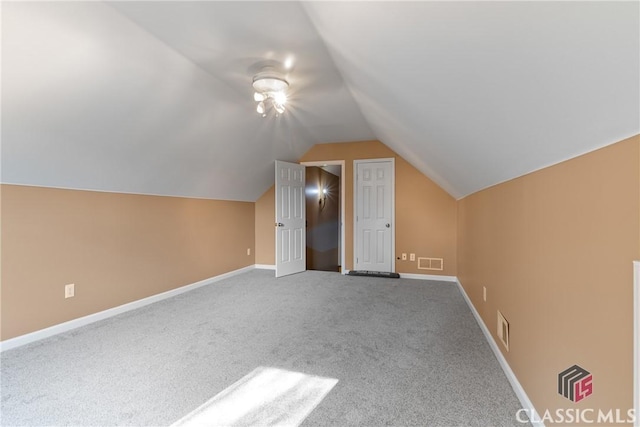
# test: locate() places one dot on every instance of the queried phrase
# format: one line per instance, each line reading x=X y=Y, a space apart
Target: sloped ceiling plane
x=156 y=98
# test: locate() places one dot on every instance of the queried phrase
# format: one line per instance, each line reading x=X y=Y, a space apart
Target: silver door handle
x=387 y=225
x=279 y=224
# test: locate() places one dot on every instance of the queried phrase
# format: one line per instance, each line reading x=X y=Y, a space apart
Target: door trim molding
x=636 y=340
x=392 y=160
x=343 y=187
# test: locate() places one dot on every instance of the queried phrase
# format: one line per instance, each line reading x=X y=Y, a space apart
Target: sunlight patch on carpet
x=265 y=397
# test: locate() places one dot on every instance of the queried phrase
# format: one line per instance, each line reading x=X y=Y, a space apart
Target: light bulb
x=280 y=98
x=288 y=63
x=279 y=108
x=260 y=108
x=258 y=97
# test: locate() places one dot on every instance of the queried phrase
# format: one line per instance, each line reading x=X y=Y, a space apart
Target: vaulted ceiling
x=155 y=97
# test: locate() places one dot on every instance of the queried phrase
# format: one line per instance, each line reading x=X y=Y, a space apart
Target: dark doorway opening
x=322 y=197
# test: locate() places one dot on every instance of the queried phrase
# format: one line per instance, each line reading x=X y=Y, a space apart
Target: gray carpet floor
x=405 y=352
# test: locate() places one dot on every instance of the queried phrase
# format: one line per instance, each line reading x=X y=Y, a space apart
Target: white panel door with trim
x=290 y=219
x=374 y=216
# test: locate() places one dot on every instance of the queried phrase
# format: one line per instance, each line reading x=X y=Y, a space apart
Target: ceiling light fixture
x=270 y=89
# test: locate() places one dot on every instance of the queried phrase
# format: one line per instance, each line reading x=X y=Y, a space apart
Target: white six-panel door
x=374 y=215
x=290 y=219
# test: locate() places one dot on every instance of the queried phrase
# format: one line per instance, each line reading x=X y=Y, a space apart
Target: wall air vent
x=503 y=330
x=430 y=264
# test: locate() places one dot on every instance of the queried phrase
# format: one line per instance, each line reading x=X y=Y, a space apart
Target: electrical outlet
x=484 y=293
x=404 y=257
x=412 y=257
x=69 y=290
x=248 y=251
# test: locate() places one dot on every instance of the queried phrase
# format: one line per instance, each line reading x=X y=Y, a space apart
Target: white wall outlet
x=484 y=293
x=69 y=290
x=412 y=257
x=404 y=257
x=248 y=251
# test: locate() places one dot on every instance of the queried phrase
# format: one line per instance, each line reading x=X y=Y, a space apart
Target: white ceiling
x=155 y=97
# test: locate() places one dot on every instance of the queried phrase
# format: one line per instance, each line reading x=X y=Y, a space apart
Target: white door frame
x=342 y=209
x=393 y=208
x=636 y=341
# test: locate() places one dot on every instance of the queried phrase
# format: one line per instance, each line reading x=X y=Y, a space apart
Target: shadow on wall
x=323 y=219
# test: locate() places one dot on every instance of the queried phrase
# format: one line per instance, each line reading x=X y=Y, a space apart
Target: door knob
x=279 y=224
x=387 y=225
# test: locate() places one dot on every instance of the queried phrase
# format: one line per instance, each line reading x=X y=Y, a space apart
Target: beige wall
x=116 y=248
x=555 y=249
x=425 y=214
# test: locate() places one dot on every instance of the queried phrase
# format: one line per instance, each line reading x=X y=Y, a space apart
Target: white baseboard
x=515 y=384
x=101 y=315
x=428 y=277
x=265 y=266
